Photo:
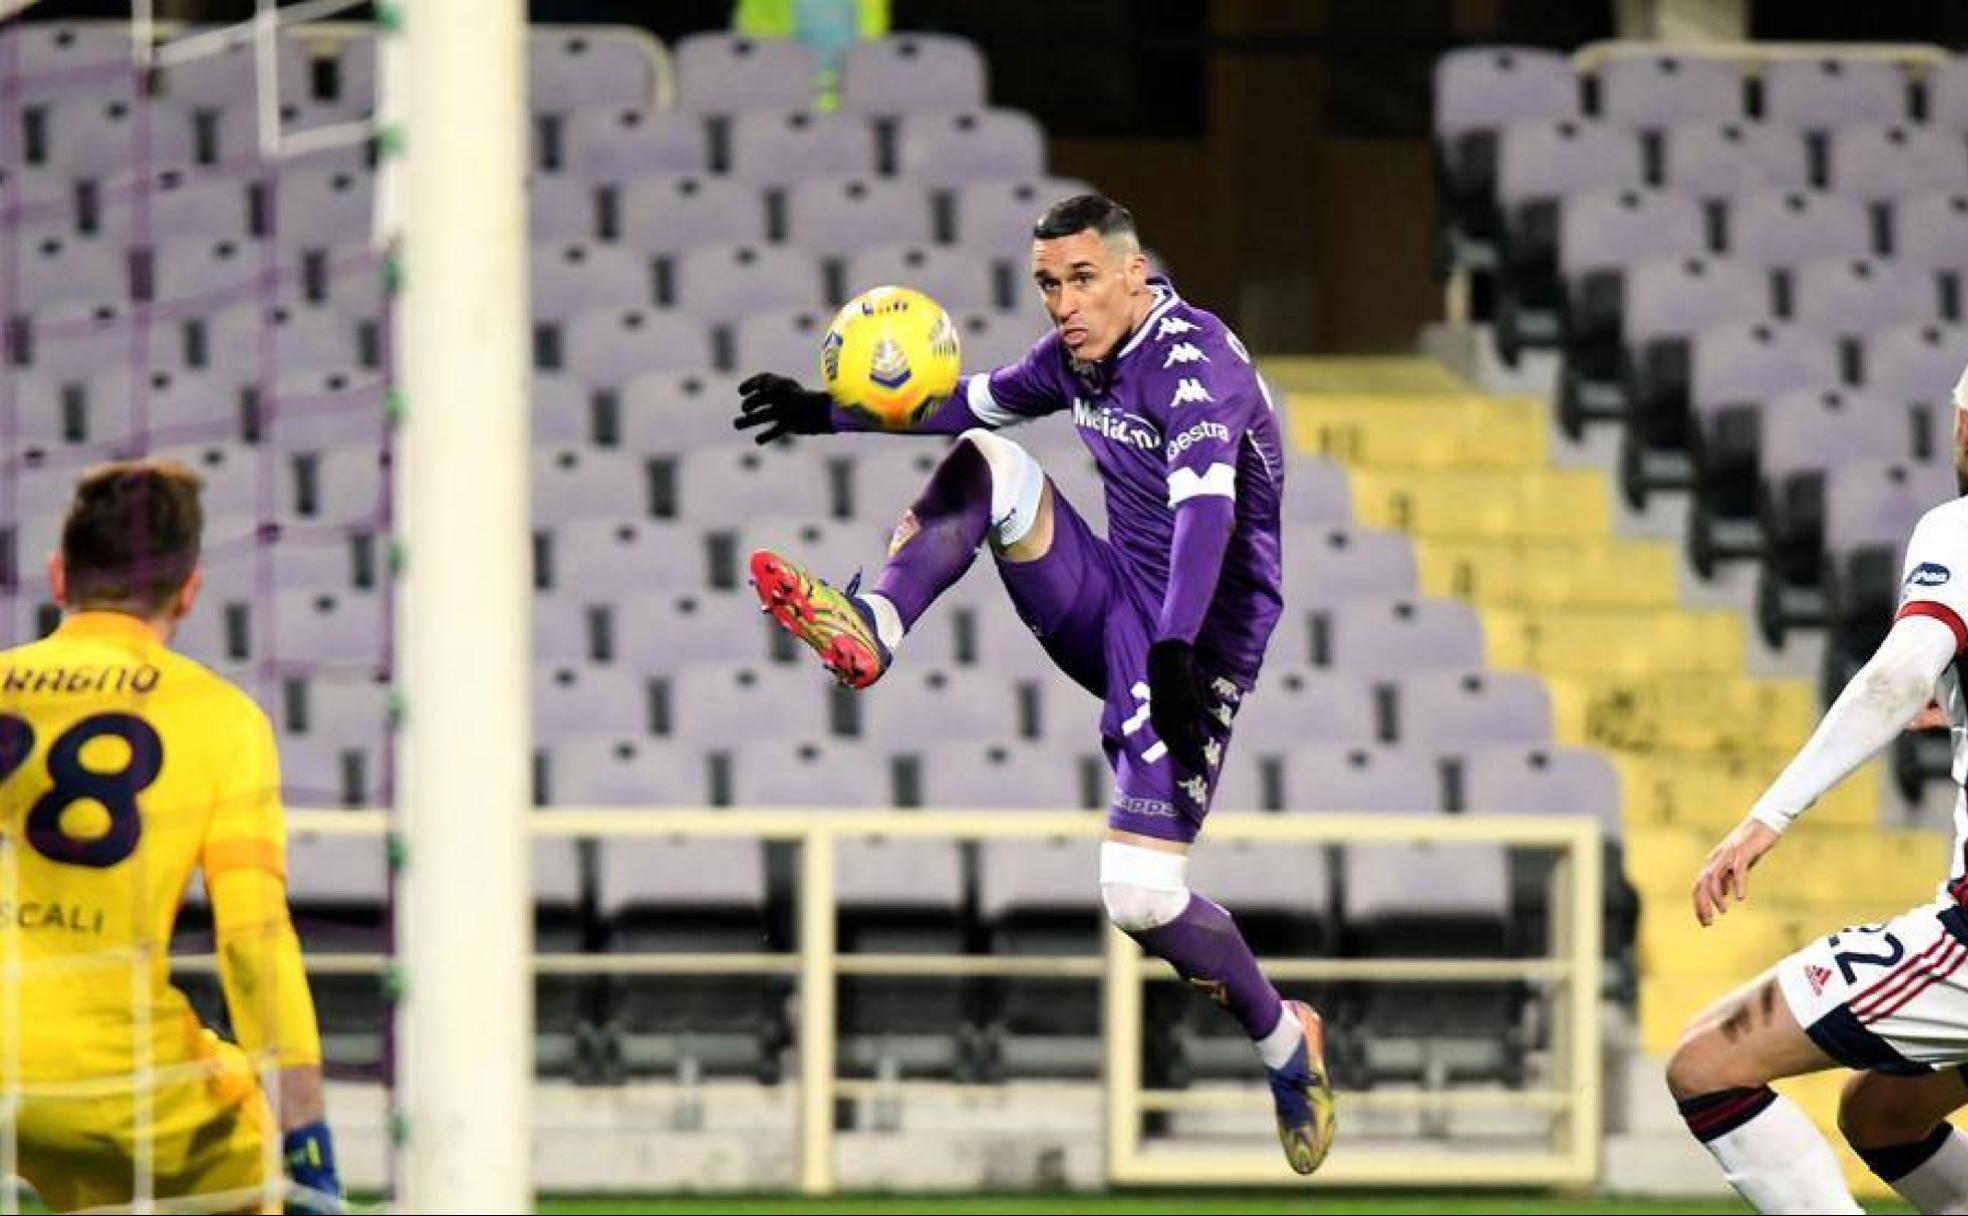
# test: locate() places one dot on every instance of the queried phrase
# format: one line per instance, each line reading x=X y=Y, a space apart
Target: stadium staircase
x=1662 y=688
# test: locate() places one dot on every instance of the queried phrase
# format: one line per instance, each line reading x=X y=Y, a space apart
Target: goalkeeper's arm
x=273 y=1016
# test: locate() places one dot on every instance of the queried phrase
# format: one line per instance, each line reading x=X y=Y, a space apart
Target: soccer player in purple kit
x=1165 y=620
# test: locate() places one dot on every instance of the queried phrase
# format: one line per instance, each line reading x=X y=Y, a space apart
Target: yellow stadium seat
x=1578 y=573
x=1713 y=791
x=1372 y=374
x=1745 y=942
x=1559 y=642
x=1442 y=431
x=1537 y=503
x=1682 y=712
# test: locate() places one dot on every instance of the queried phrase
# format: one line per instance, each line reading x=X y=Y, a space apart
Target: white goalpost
x=464 y=905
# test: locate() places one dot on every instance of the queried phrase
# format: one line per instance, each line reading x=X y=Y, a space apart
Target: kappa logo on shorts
x=1929 y=574
x=1817 y=977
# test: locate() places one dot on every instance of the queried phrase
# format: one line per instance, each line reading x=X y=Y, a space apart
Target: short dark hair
x=1081 y=212
x=132 y=535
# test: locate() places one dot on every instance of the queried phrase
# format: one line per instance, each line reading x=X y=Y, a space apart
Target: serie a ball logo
x=890 y=356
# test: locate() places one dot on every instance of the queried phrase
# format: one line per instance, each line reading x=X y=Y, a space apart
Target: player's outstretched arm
x=782 y=406
x=1874 y=707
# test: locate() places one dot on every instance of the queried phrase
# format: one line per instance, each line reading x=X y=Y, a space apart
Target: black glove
x=1176 y=704
x=782 y=407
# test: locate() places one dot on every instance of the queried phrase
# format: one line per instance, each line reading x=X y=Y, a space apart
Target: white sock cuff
x=1151 y=869
x=1017 y=484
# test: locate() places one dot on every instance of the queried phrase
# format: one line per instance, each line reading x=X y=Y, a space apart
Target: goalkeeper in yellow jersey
x=122 y=767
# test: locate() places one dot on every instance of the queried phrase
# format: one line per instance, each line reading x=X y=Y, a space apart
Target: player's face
x=1094 y=295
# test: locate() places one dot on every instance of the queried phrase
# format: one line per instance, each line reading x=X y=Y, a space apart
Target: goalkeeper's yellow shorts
x=211 y=1136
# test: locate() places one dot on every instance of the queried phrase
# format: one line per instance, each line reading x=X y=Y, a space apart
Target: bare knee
x=1700 y=1064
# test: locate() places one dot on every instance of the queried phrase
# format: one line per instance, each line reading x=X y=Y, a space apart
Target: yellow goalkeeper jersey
x=122 y=767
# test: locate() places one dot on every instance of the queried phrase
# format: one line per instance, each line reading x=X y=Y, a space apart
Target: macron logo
x=1189 y=390
x=1184 y=352
x=1173 y=325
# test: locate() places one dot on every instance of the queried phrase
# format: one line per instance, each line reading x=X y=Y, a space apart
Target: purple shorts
x=1096 y=621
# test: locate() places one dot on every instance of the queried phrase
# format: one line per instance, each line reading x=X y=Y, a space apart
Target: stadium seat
x=571 y=700
x=614 y=346
x=1431 y=901
x=1660 y=89
x=912 y=74
x=628 y=770
x=1931 y=229
x=588 y=483
x=1577 y=572
x=1913 y=362
x=1433 y=431
x=721 y=73
x=304 y=339
x=916 y=706
x=58 y=270
x=332 y=203
x=691 y=895
x=1713 y=160
x=721 y=704
x=620 y=143
x=660 y=632
x=569 y=276
x=995 y=217
x=775 y=148
x=1316 y=492
x=839 y=216
x=1947 y=95
x=1348 y=778
x=96 y=136
x=676 y=412
x=1331 y=565
x=991 y=340
x=1393 y=637
x=562 y=209
x=1547 y=503
x=572 y=68
x=954 y=278
x=1292 y=705
x=949 y=149
x=723 y=282
x=1689 y=715
x=768 y=483
x=785 y=341
x=1879 y=163
x=1440 y=712
x=1833 y=92
x=1859 y=295
x=672 y=213
x=1615 y=641
x=1774 y=228
x=979 y=774
x=612 y=555
x=1478 y=92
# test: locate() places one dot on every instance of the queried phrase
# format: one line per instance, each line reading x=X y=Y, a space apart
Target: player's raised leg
x=987 y=488
x=1068 y=587
x=1898 y=1126
x=1720 y=1076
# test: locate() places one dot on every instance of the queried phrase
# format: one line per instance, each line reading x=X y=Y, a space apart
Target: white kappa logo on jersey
x=1189 y=389
x=1184 y=352
x=1173 y=325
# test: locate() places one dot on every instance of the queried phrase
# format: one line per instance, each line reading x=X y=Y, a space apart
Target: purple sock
x=1205 y=948
x=938 y=537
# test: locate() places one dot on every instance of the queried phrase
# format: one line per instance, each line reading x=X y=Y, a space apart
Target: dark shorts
x=1096 y=622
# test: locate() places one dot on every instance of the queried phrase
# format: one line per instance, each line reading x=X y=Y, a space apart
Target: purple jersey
x=1177 y=413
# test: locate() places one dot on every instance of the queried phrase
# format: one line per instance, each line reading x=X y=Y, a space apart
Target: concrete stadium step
x=1569 y=642
x=1434 y=431
x=1582 y=572
x=1683 y=713
x=1712 y=791
x=1546 y=504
